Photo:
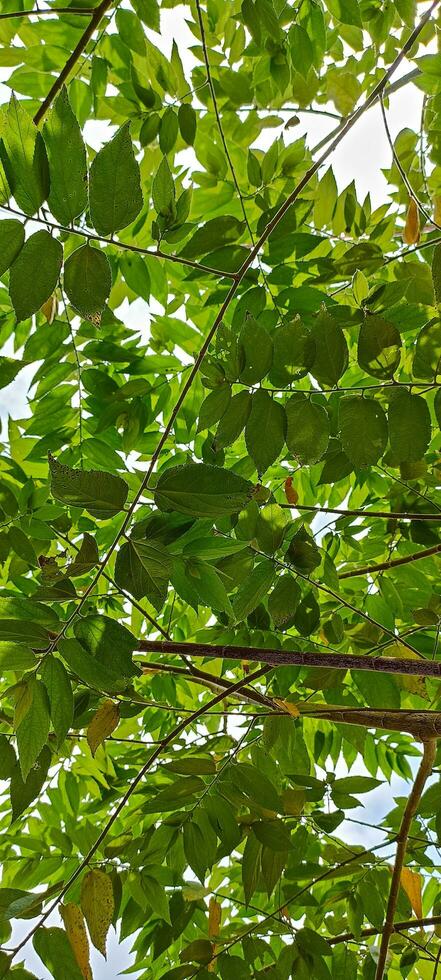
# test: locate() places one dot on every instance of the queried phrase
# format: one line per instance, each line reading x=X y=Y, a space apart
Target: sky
x=360 y=156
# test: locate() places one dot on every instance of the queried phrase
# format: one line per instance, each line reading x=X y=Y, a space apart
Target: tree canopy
x=220 y=606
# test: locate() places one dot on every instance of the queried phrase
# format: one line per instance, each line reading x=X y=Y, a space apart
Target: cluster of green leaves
x=131 y=514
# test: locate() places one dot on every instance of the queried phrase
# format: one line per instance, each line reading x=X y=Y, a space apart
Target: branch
x=97 y=16
x=171 y=737
x=345 y=937
x=289 y=658
x=388 y=515
x=79 y=11
x=155 y=253
x=239 y=276
x=429 y=752
x=383 y=566
x=192 y=673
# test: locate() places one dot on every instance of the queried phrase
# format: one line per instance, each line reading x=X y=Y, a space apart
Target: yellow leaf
x=411 y=882
x=98 y=905
x=74 y=925
x=290 y=492
x=214 y=918
x=411 y=233
x=437 y=210
x=50 y=308
x=103 y=724
x=288 y=707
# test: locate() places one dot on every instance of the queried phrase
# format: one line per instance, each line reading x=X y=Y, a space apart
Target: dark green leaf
x=87 y=280
x=331 y=350
x=202 y=490
x=102 y=494
x=265 y=430
x=11 y=242
x=67 y=162
x=379 y=344
x=409 y=426
x=144 y=569
x=307 y=429
x=114 y=187
x=34 y=274
x=56 y=681
x=362 y=415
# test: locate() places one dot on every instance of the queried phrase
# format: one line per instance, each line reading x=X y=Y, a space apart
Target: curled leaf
x=411 y=233
x=103 y=723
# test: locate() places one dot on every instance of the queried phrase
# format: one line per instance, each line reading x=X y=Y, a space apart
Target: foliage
x=231 y=457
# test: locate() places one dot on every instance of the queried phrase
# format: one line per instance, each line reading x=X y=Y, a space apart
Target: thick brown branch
x=97 y=16
x=383 y=566
x=252 y=255
x=299 y=658
x=422 y=776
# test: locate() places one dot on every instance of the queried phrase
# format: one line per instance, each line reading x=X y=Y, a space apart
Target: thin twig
x=97 y=16
x=36 y=12
x=383 y=566
x=360 y=512
x=124 y=246
x=429 y=752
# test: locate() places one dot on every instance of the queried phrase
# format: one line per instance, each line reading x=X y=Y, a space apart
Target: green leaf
x=102 y=494
x=283 y=601
x=91 y=671
x=409 y=426
x=202 y=490
x=67 y=162
x=25 y=792
x=273 y=834
x=379 y=344
x=56 y=681
x=55 y=951
x=255 y=352
x=253 y=590
x=362 y=415
x=11 y=242
x=331 y=350
x=209 y=586
x=213 y=234
x=99 y=635
x=33 y=730
x=233 y=420
x=187 y=123
x=265 y=430
x=115 y=196
x=303 y=552
x=168 y=130
x=163 y=189
x=144 y=569
x=293 y=353
x=300 y=49
x=251 y=866
x=214 y=407
x=355 y=784
x=308 y=429
x=26 y=163
x=86 y=558
x=156 y=897
x=427 y=357
x=87 y=280
x=34 y=274
x=7 y=758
